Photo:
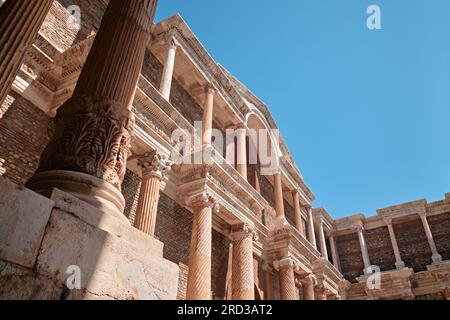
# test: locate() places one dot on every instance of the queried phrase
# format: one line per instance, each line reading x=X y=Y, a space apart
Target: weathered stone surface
x=24 y=216
x=110 y=266
x=18 y=283
x=106 y=222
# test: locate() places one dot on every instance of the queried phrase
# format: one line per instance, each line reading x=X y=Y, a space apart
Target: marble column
x=298 y=213
x=241 y=163
x=268 y=295
x=153 y=167
x=243 y=284
x=363 y=245
x=199 y=275
x=288 y=289
x=20 y=22
x=279 y=199
x=88 y=152
x=167 y=75
x=334 y=253
x=208 y=110
x=311 y=230
x=308 y=284
x=323 y=242
x=436 y=257
x=399 y=264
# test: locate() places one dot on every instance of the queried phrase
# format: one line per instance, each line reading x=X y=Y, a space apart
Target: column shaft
x=268 y=282
x=199 y=275
x=87 y=155
x=20 y=22
x=398 y=259
x=298 y=213
x=311 y=231
x=166 y=80
x=364 y=252
x=208 y=115
x=436 y=257
x=323 y=243
x=288 y=290
x=308 y=290
x=243 y=285
x=279 y=199
x=148 y=204
x=334 y=253
x=241 y=165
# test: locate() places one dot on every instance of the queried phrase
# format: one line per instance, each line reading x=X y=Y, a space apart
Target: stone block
x=107 y=222
x=111 y=267
x=24 y=215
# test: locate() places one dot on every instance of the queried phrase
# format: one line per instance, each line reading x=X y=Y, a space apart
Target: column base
x=437 y=258
x=400 y=265
x=96 y=192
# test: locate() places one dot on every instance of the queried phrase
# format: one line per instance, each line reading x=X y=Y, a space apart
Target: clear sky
x=366 y=114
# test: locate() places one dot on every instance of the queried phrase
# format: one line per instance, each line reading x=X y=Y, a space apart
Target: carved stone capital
x=210 y=89
x=204 y=199
x=388 y=221
x=153 y=163
x=286 y=263
x=309 y=279
x=92 y=136
x=244 y=231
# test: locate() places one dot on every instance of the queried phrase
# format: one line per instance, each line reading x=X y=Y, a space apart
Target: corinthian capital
x=204 y=199
x=243 y=231
x=154 y=163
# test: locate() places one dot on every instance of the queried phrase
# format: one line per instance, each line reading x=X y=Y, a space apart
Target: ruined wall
x=350 y=256
x=380 y=248
x=23 y=137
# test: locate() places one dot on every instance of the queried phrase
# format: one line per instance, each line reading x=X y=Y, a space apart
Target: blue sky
x=365 y=113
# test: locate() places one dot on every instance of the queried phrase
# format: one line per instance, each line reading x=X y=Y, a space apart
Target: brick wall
x=350 y=256
x=380 y=248
x=413 y=244
x=130 y=189
x=440 y=227
x=23 y=137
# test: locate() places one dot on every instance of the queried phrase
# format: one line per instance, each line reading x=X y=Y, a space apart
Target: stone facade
x=182 y=231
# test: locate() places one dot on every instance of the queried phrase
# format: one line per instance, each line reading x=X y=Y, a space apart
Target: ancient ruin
x=98 y=200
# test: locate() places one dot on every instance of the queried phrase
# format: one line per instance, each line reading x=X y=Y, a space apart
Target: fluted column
x=288 y=289
x=436 y=257
x=363 y=245
x=334 y=253
x=208 y=110
x=167 y=75
x=311 y=231
x=323 y=243
x=268 y=294
x=241 y=164
x=243 y=283
x=308 y=284
x=298 y=213
x=20 y=22
x=199 y=275
x=399 y=264
x=153 y=167
x=88 y=152
x=279 y=199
